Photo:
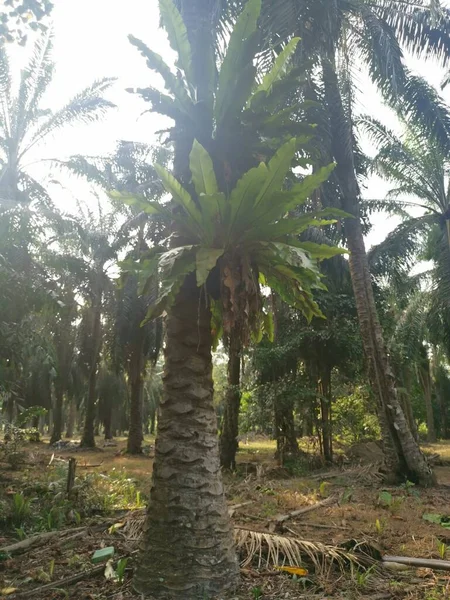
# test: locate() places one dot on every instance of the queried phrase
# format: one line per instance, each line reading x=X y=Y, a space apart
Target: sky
x=91 y=42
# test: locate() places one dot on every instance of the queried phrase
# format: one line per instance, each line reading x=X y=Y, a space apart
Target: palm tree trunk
x=425 y=382
x=88 y=438
x=230 y=425
x=402 y=452
x=57 y=417
x=107 y=422
x=325 y=415
x=188 y=552
x=135 y=435
x=286 y=438
x=71 y=418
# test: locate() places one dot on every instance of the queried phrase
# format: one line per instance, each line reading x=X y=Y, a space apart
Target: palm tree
x=25 y=123
x=335 y=33
x=64 y=340
x=129 y=170
x=217 y=252
x=135 y=346
x=88 y=251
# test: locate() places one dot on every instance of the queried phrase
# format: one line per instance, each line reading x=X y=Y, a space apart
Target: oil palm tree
x=229 y=236
x=335 y=33
x=135 y=346
x=88 y=251
x=25 y=123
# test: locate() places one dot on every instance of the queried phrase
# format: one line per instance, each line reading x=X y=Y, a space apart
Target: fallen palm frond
x=271 y=550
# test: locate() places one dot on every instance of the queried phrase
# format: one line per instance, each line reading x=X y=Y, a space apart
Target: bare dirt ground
x=354 y=505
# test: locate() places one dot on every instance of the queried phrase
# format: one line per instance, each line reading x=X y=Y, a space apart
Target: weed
x=74 y=560
x=442 y=549
x=20 y=533
x=51 y=568
x=359 y=577
x=121 y=568
x=323 y=489
x=257 y=593
x=380 y=526
x=20 y=510
x=387 y=500
x=347 y=496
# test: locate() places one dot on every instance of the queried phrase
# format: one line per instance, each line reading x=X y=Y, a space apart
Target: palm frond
x=34 y=82
x=5 y=92
x=379 y=46
x=422 y=30
x=271 y=550
x=86 y=107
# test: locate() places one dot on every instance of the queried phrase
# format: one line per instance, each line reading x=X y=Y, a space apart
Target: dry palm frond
x=274 y=550
x=268 y=549
x=134 y=524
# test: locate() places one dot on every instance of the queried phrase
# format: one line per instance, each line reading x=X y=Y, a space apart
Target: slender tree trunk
x=57 y=415
x=286 y=437
x=71 y=418
x=10 y=408
x=325 y=415
x=425 y=382
x=107 y=423
x=135 y=435
x=188 y=551
x=152 y=421
x=405 y=399
x=402 y=453
x=88 y=438
x=230 y=423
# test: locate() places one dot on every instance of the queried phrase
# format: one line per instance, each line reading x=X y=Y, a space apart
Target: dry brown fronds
x=271 y=550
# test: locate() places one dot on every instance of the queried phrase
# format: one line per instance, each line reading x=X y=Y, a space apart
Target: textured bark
x=188 y=551
x=425 y=382
x=325 y=415
x=403 y=455
x=88 y=438
x=230 y=424
x=286 y=437
x=57 y=415
x=135 y=433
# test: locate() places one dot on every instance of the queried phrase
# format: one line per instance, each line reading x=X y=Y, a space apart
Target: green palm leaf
x=178 y=37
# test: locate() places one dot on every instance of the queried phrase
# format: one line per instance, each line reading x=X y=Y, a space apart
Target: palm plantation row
x=244 y=231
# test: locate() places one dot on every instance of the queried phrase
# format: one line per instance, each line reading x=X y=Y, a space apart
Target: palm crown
x=244 y=239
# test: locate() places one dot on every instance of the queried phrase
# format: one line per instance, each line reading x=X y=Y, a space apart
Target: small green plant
x=387 y=500
x=20 y=533
x=74 y=560
x=347 y=496
x=380 y=526
x=120 y=569
x=442 y=549
x=360 y=577
x=257 y=593
x=51 y=568
x=20 y=510
x=323 y=489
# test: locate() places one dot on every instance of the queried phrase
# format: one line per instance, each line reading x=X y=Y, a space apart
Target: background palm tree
x=332 y=33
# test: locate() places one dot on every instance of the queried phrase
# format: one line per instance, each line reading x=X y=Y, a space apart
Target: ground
x=353 y=505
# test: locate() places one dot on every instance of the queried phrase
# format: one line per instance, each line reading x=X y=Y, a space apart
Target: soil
x=361 y=509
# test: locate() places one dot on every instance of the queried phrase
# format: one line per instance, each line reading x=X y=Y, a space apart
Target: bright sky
x=91 y=43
